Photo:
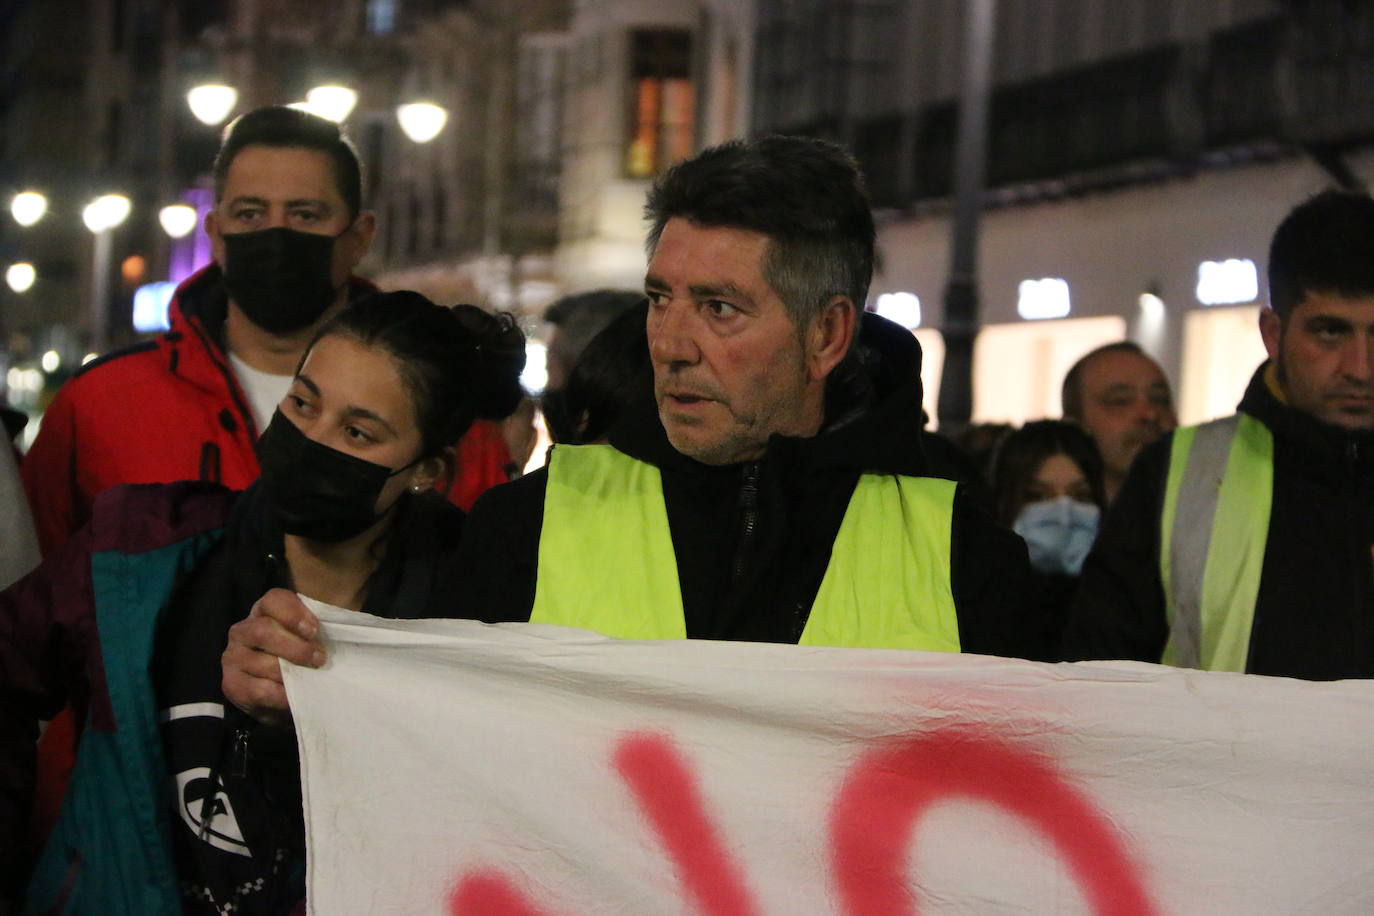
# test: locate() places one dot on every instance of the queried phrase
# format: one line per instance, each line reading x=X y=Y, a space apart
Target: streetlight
x=101 y=216
x=212 y=102
x=177 y=220
x=333 y=102
x=421 y=121
x=28 y=207
x=20 y=276
x=105 y=212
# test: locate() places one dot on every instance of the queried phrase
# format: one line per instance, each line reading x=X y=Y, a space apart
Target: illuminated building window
x=381 y=16
x=1227 y=282
x=1044 y=298
x=903 y=308
x=662 y=101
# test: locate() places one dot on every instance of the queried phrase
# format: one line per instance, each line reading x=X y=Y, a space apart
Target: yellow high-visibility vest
x=1215 y=524
x=606 y=559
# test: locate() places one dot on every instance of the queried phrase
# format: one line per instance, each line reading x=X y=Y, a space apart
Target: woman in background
x=1047 y=487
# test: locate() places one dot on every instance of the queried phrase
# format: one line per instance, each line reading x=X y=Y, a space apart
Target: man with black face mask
x=287 y=231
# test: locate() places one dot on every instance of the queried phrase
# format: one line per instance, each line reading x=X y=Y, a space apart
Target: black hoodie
x=1314 y=617
x=753 y=540
x=239 y=840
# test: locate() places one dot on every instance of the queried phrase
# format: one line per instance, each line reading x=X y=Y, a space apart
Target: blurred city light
x=51 y=361
x=105 y=212
x=535 y=376
x=133 y=268
x=20 y=276
x=421 y=121
x=1228 y=282
x=1044 y=298
x=332 y=102
x=1150 y=326
x=903 y=308
x=150 y=306
x=30 y=380
x=211 y=103
x=28 y=207
x=178 y=220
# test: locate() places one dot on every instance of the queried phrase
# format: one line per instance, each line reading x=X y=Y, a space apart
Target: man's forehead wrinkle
x=716 y=289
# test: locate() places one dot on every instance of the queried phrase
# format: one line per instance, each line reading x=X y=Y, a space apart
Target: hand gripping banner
x=459 y=769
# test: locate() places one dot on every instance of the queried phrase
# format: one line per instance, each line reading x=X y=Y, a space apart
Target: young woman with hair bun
x=130 y=619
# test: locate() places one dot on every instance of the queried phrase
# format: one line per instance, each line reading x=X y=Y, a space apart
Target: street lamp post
x=178 y=220
x=101 y=216
x=28 y=207
x=421 y=121
x=961 y=290
x=212 y=102
x=331 y=101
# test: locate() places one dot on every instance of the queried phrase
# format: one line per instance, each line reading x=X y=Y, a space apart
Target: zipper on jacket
x=210 y=463
x=1365 y=562
x=238 y=756
x=749 y=516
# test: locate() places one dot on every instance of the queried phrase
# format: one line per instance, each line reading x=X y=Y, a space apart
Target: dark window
x=118 y=11
x=114 y=130
x=662 y=121
x=381 y=16
x=373 y=154
x=413 y=222
x=392 y=228
x=440 y=216
x=198 y=15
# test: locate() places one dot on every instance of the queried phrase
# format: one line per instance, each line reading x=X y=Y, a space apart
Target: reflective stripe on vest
x=1213 y=531
x=606 y=559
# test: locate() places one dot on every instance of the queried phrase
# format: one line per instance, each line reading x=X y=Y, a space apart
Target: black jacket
x=231 y=767
x=753 y=540
x=1314 y=617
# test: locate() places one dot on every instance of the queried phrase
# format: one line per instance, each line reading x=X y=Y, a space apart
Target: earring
x=417 y=489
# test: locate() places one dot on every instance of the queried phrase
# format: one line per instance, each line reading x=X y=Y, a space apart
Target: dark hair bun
x=458 y=363
x=494 y=376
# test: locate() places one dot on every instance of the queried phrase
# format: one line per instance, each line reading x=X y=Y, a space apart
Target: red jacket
x=168 y=409
x=171 y=409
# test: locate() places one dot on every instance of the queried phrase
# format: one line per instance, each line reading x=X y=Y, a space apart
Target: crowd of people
x=740 y=454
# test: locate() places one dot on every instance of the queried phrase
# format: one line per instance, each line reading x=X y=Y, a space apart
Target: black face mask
x=280 y=277
x=315 y=491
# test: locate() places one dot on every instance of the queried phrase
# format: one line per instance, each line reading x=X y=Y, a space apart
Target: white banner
x=456 y=768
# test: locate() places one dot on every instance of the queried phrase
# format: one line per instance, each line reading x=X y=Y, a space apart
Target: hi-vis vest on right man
x=606 y=559
x=1213 y=531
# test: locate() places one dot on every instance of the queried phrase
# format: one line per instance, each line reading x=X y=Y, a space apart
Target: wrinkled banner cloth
x=457 y=768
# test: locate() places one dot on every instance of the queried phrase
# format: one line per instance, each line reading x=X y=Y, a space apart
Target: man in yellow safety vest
x=1244 y=544
x=770 y=484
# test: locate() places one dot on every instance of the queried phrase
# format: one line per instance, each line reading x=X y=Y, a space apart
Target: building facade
x=647 y=82
x=1140 y=154
x=97 y=103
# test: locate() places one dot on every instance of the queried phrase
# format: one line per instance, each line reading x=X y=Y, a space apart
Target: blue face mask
x=1059 y=533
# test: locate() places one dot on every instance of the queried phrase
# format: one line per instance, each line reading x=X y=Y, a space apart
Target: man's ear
x=828 y=337
x=216 y=237
x=362 y=232
x=1271 y=331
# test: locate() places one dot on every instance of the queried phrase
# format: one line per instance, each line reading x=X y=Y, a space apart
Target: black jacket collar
x=1323 y=445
